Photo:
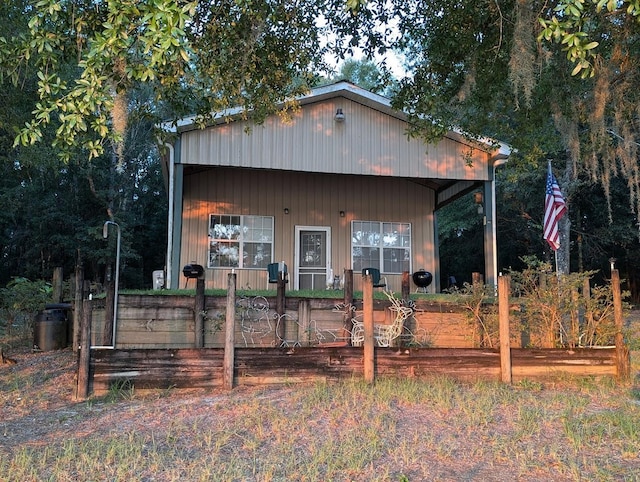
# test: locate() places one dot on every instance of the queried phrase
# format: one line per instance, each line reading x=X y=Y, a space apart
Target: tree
x=571 y=25
x=477 y=65
x=200 y=57
x=368 y=75
x=53 y=211
x=460 y=238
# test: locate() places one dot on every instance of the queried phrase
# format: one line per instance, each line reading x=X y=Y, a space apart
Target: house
x=339 y=186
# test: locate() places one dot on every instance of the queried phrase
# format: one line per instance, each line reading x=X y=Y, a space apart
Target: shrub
x=20 y=300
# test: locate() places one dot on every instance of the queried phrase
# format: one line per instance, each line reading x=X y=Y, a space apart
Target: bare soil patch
x=507 y=439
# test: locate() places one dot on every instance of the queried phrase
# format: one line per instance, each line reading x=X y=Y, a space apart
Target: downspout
x=169 y=270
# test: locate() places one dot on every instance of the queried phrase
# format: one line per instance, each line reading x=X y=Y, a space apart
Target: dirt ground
x=37 y=407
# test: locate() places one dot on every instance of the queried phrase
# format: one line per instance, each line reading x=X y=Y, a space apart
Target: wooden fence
x=233 y=364
x=204 y=367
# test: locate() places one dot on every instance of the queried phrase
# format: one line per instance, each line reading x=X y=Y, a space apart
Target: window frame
x=380 y=246
x=242 y=240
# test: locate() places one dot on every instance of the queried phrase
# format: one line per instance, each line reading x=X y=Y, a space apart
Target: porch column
x=175 y=229
x=490 y=224
x=490 y=255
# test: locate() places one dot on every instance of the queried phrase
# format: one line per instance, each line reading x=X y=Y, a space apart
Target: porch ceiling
x=446 y=190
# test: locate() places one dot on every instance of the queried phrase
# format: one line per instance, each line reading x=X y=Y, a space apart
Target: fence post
x=623 y=368
x=84 y=359
x=199 y=313
x=504 y=283
x=588 y=311
x=56 y=282
x=281 y=329
x=406 y=286
x=230 y=333
x=347 y=324
x=367 y=306
x=305 y=332
x=77 y=308
x=574 y=332
x=107 y=333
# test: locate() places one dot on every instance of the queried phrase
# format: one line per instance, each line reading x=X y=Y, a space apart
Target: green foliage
x=368 y=75
x=117 y=43
x=23 y=295
x=53 y=211
x=481 y=312
x=478 y=66
x=120 y=390
x=198 y=57
x=562 y=310
x=571 y=27
x=460 y=239
x=546 y=310
x=21 y=299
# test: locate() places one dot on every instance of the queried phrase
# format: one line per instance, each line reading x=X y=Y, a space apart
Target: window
x=385 y=246
x=240 y=241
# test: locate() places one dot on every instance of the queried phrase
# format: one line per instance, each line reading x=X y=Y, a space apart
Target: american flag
x=554 y=209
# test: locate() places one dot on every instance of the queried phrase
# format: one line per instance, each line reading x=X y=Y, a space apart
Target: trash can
x=51 y=327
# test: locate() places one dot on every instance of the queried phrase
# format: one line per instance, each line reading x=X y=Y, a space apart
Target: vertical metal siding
x=368 y=142
x=313 y=200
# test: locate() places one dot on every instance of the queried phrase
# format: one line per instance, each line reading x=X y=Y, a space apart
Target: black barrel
x=51 y=327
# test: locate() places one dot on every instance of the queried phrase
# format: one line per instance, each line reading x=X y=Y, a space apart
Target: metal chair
x=378 y=281
x=273 y=269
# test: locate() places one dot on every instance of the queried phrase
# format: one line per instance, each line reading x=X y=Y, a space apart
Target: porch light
x=339 y=117
x=342 y=214
x=286 y=210
x=479 y=199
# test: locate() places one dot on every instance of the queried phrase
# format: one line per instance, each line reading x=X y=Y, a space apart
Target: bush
x=563 y=310
x=20 y=300
x=547 y=310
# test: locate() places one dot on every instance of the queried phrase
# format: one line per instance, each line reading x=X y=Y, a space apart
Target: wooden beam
x=623 y=365
x=77 y=308
x=107 y=331
x=504 y=286
x=56 y=283
x=82 y=389
x=203 y=368
x=199 y=313
x=367 y=306
x=229 y=338
x=347 y=325
x=281 y=329
x=406 y=285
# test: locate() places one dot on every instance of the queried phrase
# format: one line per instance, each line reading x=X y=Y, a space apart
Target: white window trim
x=241 y=242
x=381 y=246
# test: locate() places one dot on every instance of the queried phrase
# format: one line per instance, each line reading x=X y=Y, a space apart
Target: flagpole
x=554 y=209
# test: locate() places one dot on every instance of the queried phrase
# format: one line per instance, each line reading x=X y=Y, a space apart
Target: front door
x=313 y=257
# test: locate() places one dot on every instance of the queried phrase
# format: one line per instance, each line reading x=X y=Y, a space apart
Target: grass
x=393 y=430
x=319 y=294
